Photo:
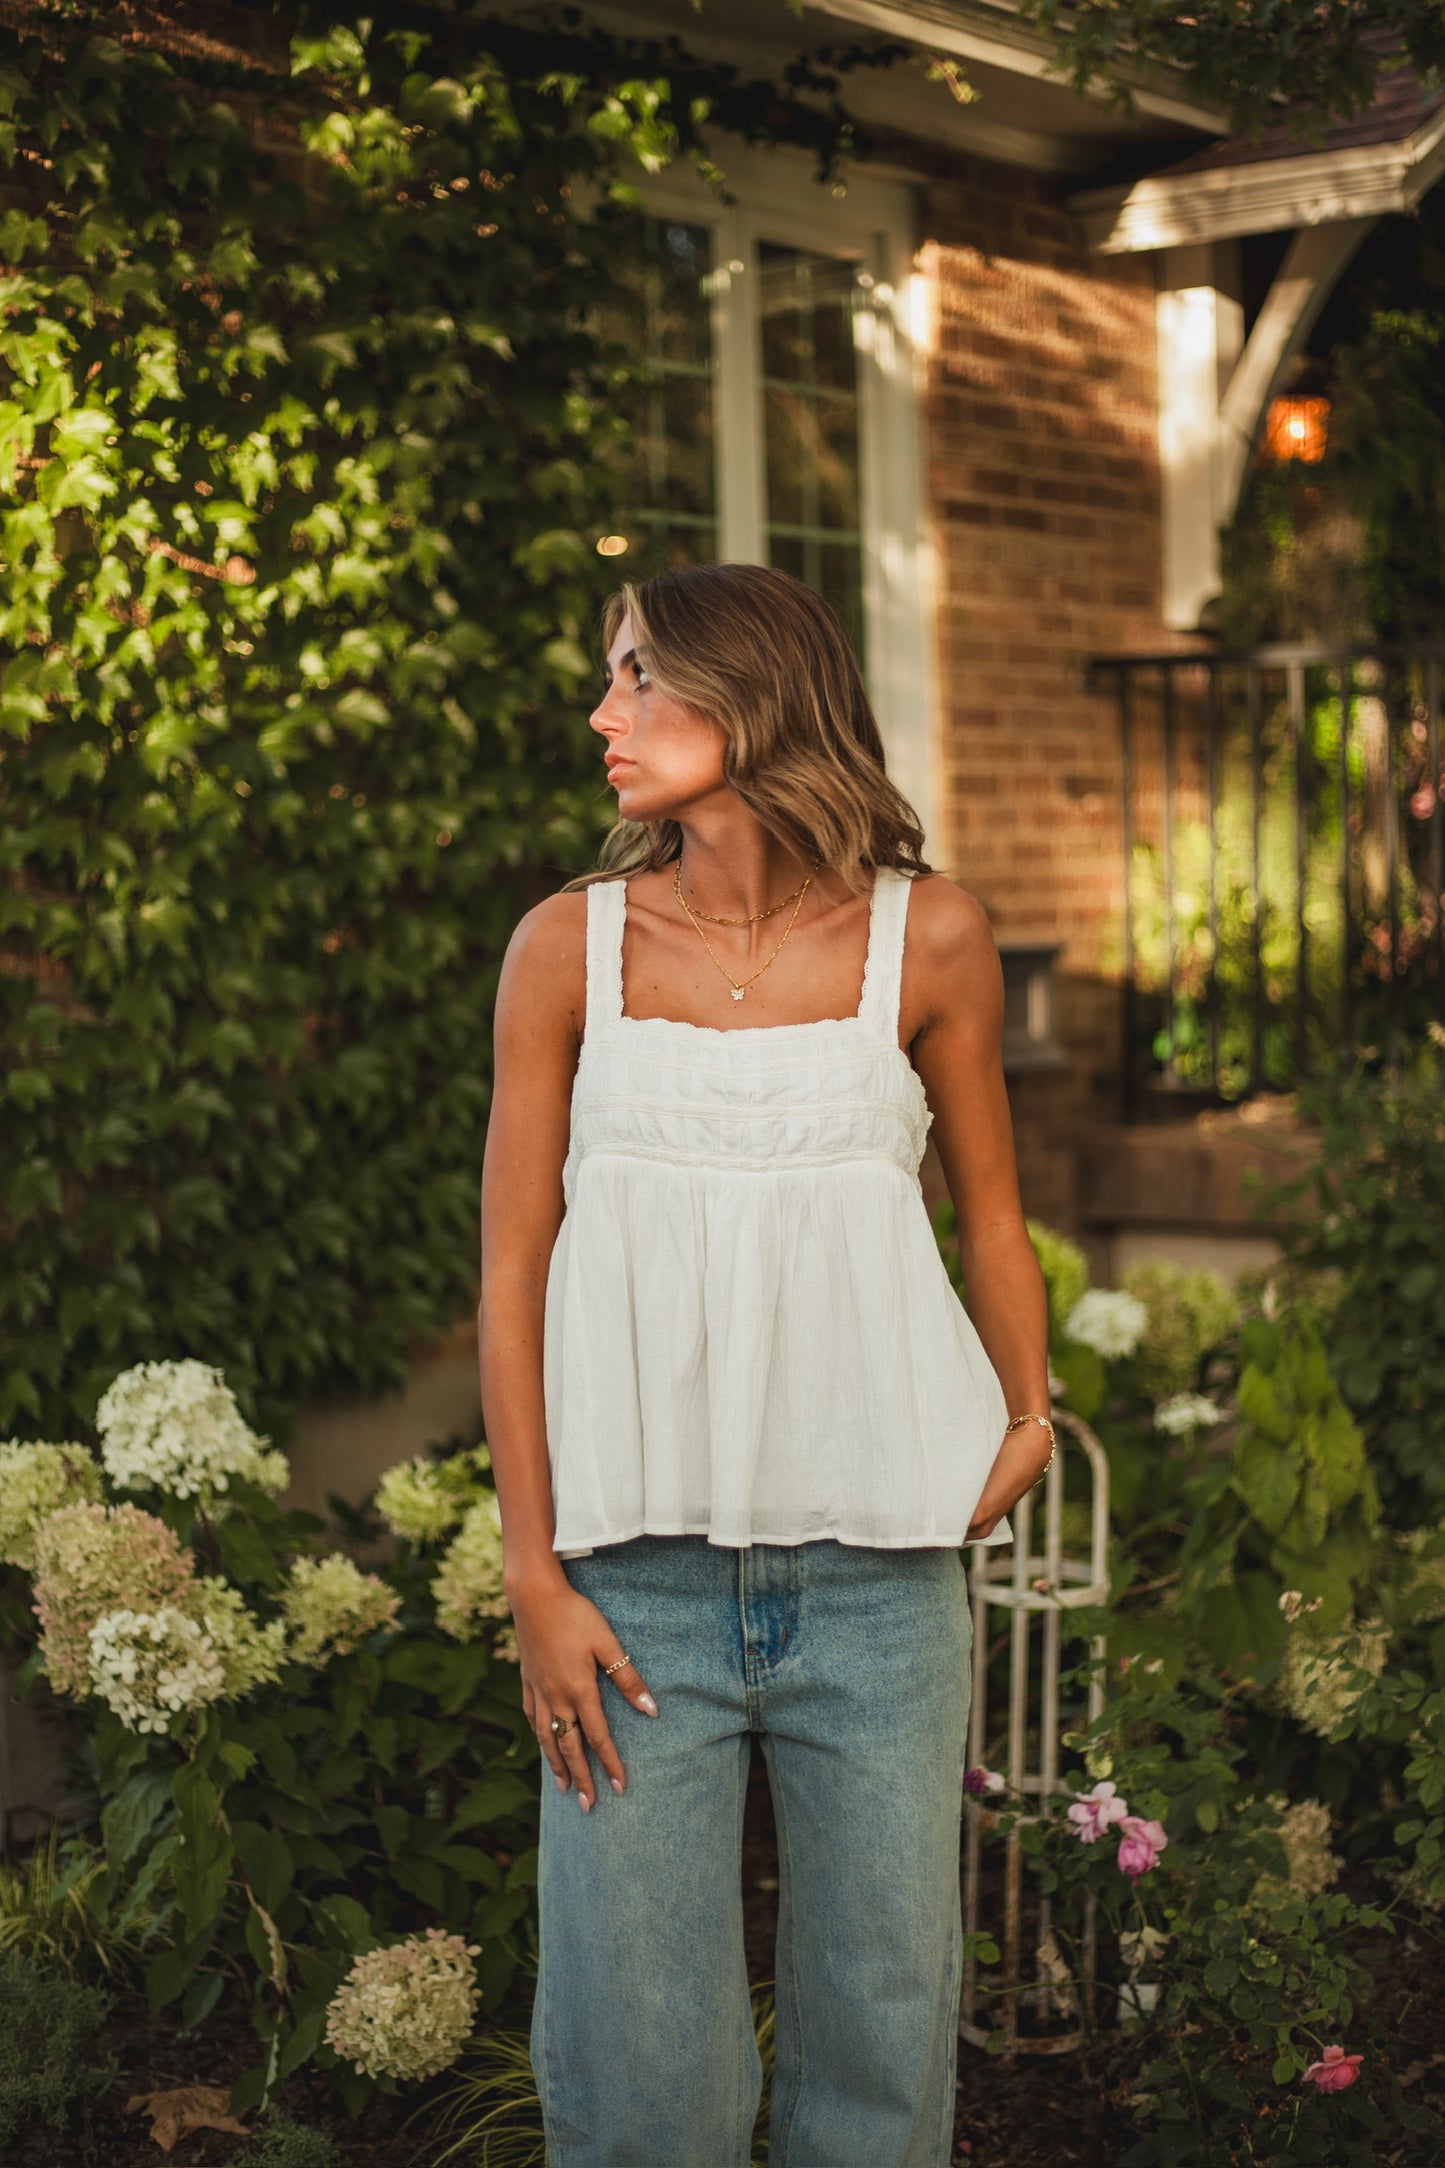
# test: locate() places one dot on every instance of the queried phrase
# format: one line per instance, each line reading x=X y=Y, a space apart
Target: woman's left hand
x=1022 y=1459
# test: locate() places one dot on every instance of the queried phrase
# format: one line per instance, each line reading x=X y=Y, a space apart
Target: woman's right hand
x=564 y=1641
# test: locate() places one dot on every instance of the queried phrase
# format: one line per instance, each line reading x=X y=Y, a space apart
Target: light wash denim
x=853 y=1664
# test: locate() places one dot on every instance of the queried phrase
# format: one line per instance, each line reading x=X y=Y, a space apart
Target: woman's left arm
x=955 y=983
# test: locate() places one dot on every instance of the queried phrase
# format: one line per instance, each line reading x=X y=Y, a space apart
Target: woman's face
x=662 y=757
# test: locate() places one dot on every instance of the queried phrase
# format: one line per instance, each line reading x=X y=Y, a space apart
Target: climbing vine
x=307 y=432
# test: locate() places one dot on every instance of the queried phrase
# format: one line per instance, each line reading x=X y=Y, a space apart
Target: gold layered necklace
x=740 y=986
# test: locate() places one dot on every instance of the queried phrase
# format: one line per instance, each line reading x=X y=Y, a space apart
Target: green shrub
x=297 y=1760
x=1191 y=1312
x=60 y=1908
x=52 y=2058
x=1258 y=1965
x=1369 y=1212
x=286 y=2144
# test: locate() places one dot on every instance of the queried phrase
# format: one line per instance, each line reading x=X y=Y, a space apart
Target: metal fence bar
x=1130 y=1004
x=1391 y=865
x=1256 y=795
x=1212 y=733
x=1437 y=827
x=1391 y=694
x=1347 y=711
x=1167 y=724
x=1299 y=734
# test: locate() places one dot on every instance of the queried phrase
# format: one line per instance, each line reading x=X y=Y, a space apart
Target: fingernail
x=560 y=1782
x=616 y=1784
x=584 y=1802
x=645 y=1701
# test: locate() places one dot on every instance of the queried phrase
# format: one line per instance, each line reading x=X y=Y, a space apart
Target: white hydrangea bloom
x=468 y=1584
x=1109 y=1321
x=150 y=1665
x=407 y=2011
x=1306 y=1828
x=175 y=1427
x=1323 y=1676
x=422 y=1500
x=1186 y=1412
x=330 y=1605
x=250 y=1654
x=35 y=1481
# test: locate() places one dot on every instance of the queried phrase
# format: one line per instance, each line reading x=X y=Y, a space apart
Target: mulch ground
x=1033 y=2112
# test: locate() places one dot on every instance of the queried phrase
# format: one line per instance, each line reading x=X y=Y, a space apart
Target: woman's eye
x=642 y=676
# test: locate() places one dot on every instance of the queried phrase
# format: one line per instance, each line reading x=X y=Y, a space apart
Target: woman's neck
x=739 y=871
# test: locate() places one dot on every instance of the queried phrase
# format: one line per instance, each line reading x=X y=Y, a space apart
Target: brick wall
x=1044 y=498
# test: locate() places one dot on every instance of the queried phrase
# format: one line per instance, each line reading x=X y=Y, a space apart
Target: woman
x=740 y=1422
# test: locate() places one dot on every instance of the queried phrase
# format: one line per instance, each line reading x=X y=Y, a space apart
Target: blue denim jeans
x=853 y=1664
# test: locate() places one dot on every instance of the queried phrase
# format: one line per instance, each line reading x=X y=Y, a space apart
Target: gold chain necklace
x=713 y=918
x=739 y=986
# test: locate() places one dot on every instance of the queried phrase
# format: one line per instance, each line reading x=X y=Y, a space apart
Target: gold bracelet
x=1053 y=1442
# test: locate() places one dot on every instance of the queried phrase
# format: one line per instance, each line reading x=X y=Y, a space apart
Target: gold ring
x=608 y=1669
x=562 y=1724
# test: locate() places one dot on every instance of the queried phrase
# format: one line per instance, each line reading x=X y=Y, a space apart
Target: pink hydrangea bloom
x=92 y=1559
x=1140 y=1844
x=1334 y=2071
x=1092 y=1812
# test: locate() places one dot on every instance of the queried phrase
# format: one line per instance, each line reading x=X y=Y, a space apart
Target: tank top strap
x=883 y=972
x=606 y=916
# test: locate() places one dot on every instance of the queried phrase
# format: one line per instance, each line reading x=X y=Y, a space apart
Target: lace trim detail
x=807 y=1110
x=746 y=1162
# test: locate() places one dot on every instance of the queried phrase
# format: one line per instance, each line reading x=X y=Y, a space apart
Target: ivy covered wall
x=303 y=451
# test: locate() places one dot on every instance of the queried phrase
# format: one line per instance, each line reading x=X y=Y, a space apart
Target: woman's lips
x=614 y=767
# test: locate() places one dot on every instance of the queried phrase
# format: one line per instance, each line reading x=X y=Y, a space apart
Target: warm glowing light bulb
x=612 y=545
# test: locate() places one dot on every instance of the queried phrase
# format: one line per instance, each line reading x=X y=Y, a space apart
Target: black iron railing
x=1284 y=852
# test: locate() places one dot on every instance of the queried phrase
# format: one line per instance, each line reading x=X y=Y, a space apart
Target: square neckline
x=756 y=1031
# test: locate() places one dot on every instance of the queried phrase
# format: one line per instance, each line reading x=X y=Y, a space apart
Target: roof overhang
x=1314 y=188
x=989 y=33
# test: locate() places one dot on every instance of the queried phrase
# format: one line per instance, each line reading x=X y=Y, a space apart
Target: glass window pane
x=670 y=470
x=810 y=423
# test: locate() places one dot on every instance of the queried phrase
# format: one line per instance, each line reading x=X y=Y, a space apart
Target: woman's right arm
x=561 y=1636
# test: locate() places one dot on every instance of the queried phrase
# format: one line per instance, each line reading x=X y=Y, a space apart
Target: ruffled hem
x=929 y=1542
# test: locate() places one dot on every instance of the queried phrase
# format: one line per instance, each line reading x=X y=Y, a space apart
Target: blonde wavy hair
x=766 y=659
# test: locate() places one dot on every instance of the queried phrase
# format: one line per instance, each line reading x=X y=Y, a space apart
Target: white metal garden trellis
x=1030 y=1585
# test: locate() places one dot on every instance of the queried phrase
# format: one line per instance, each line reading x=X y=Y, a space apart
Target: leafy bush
x=1235 y=1964
x=296 y=1759
x=1369 y=1211
x=51 y=2055
x=60 y=1909
x=310 y=424
x=287 y=2144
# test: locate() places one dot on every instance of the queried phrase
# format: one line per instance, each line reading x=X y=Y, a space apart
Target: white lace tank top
x=749 y=1333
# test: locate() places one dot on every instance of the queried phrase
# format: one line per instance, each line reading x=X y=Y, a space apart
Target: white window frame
x=777 y=198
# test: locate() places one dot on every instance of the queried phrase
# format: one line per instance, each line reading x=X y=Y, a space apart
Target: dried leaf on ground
x=185 y=2108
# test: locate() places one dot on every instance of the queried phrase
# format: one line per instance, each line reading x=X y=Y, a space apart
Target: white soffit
x=1317 y=188
x=992 y=36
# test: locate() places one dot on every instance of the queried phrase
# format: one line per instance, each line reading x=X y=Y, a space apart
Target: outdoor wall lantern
x=1297 y=429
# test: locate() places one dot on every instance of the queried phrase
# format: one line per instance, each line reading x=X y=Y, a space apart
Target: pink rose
x=979 y=1781
x=1140 y=1844
x=1334 y=2071
x=1092 y=1812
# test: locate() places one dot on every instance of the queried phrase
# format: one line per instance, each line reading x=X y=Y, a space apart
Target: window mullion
x=741 y=489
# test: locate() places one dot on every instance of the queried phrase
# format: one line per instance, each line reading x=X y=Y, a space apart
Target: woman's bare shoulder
x=948 y=926
x=546 y=961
